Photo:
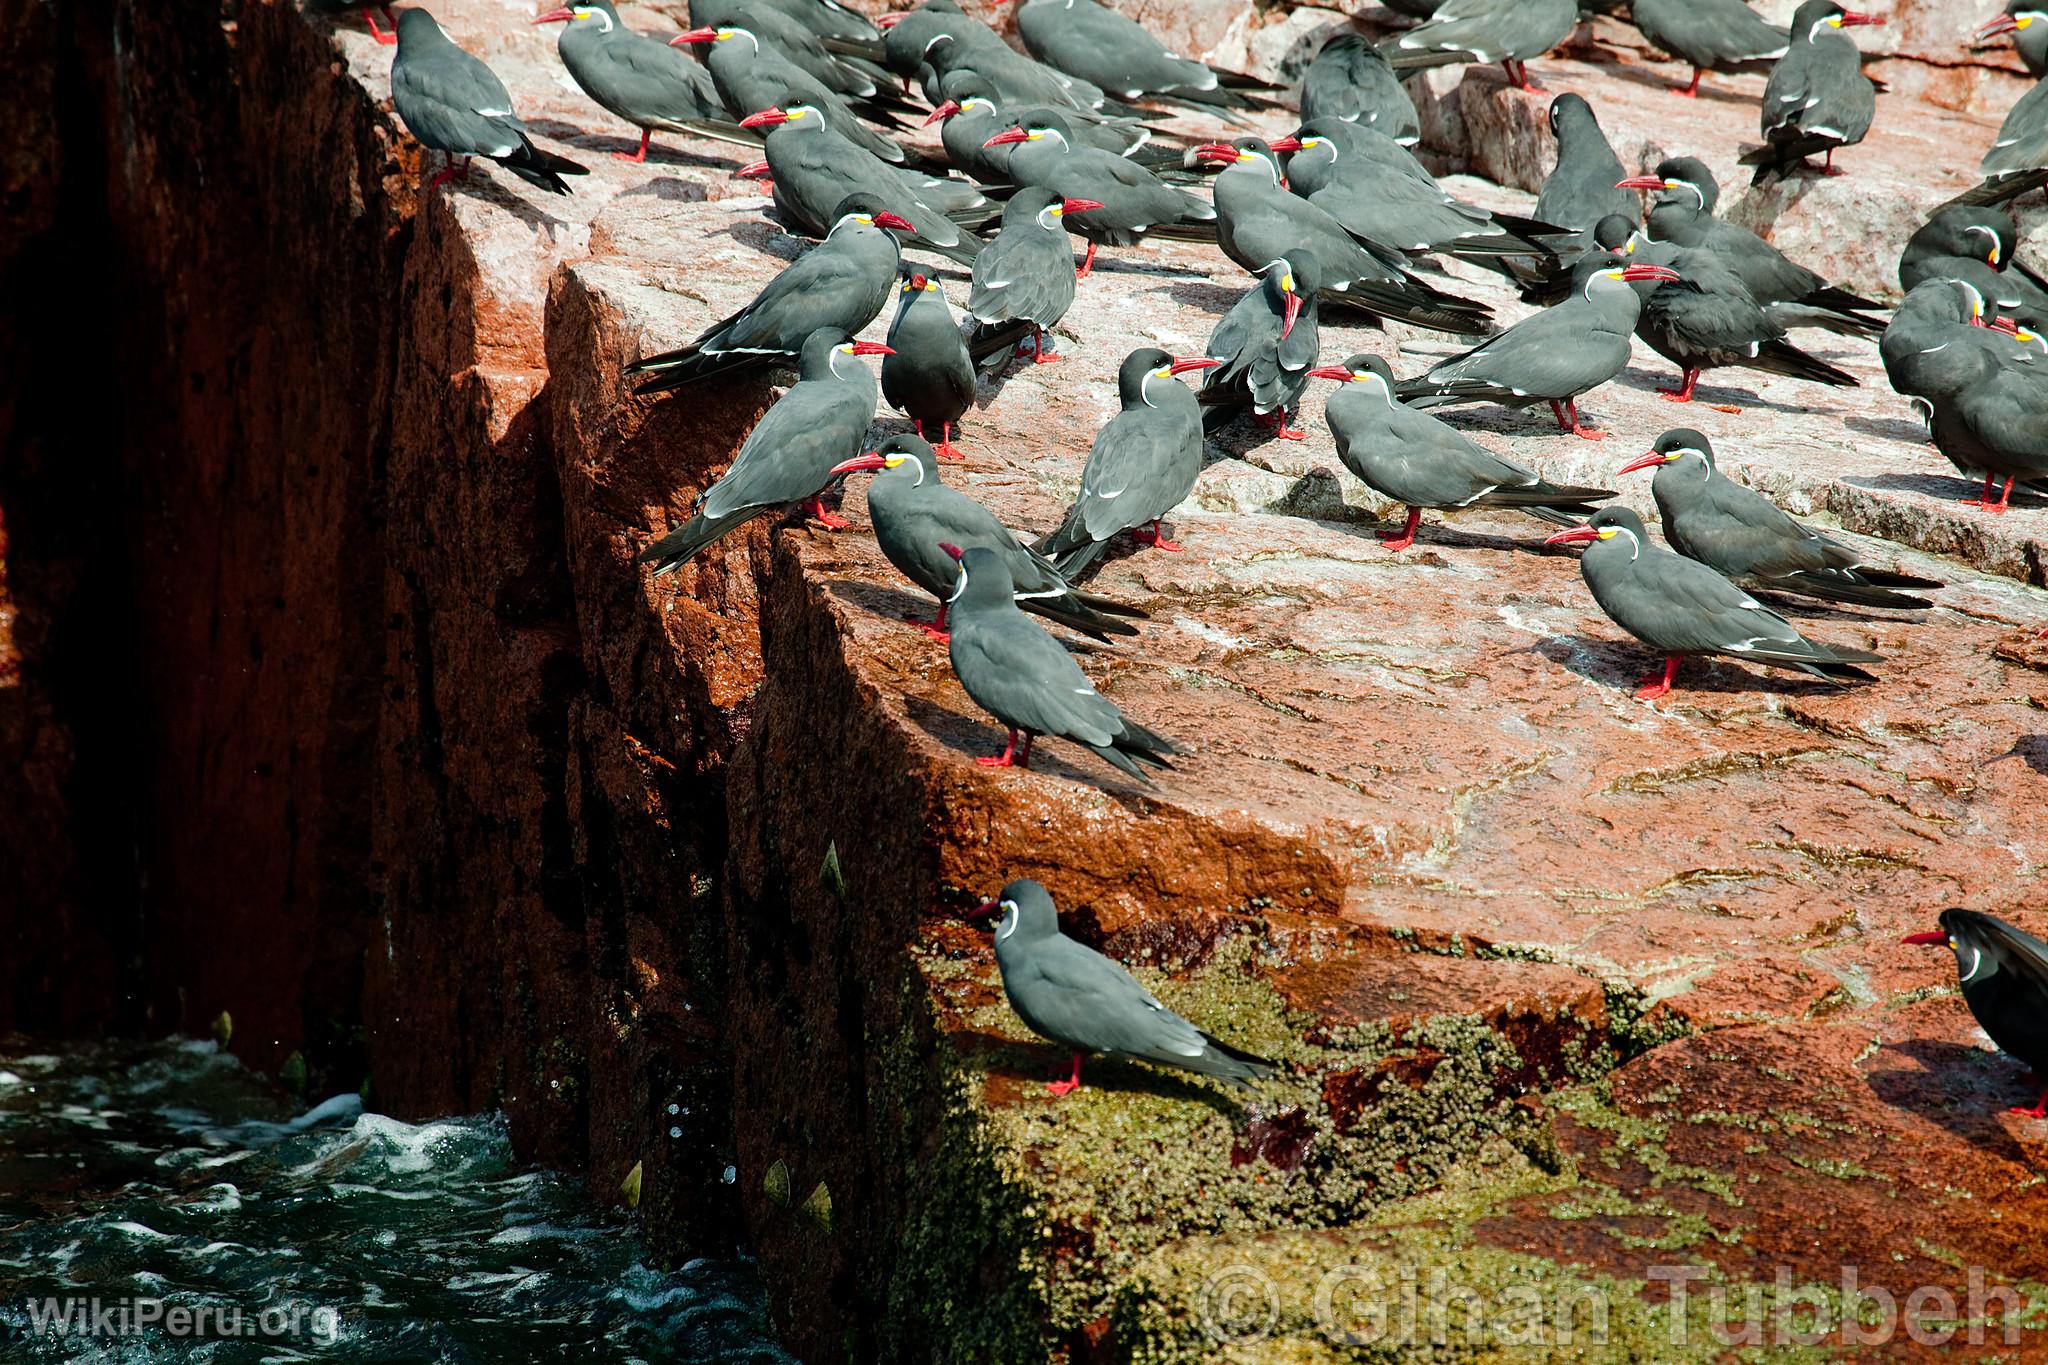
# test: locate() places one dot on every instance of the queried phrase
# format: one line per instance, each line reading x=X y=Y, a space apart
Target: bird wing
x=790 y=453
x=1683 y=607
x=456 y=103
x=1023 y=276
x=1085 y=999
x=1140 y=466
x=2018 y=951
x=656 y=80
x=1740 y=531
x=809 y=294
x=1789 y=93
x=1549 y=355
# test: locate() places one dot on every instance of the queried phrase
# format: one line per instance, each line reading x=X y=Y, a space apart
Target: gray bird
x=1582 y=189
x=1134 y=202
x=1258 y=221
x=1027 y=680
x=1977 y=244
x=970 y=115
x=1680 y=607
x=1737 y=531
x=1351 y=82
x=751 y=78
x=914 y=512
x=789 y=456
x=1143 y=464
x=456 y=105
x=2015 y=163
x=1485 y=31
x=1070 y=994
x=798 y=43
x=1682 y=212
x=934 y=40
x=1382 y=195
x=930 y=377
x=1422 y=463
x=640 y=79
x=2003 y=972
x=1552 y=357
x=1817 y=98
x=840 y=284
x=814 y=169
x=1707 y=319
x=1713 y=35
x=2028 y=25
x=1026 y=274
x=1984 y=391
x=1119 y=55
x=1265 y=346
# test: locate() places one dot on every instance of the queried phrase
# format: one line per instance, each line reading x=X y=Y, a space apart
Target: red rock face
x=342 y=706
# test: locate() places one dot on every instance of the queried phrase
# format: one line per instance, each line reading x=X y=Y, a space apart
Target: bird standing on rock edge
x=452 y=102
x=1817 y=99
x=1072 y=995
x=640 y=79
x=1027 y=680
x=1486 y=31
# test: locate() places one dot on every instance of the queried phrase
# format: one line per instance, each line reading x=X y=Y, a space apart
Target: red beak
x=1641 y=182
x=1183 y=363
x=1851 y=19
x=1648 y=272
x=886 y=219
x=1216 y=151
x=946 y=110
x=1576 y=535
x=872 y=460
x=872 y=348
x=1286 y=144
x=766 y=118
x=2004 y=23
x=1079 y=205
x=1336 y=372
x=556 y=16
x=1649 y=461
x=985 y=909
x=891 y=20
x=1930 y=938
x=954 y=550
x=753 y=170
x=695 y=35
x=1007 y=136
x=2007 y=325
x=1293 y=311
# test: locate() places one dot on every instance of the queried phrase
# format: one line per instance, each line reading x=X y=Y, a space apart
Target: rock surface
x=1568 y=987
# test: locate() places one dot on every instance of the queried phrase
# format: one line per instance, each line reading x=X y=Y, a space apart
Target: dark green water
x=163 y=1181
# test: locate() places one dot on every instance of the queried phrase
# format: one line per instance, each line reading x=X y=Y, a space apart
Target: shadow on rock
x=1943 y=488
x=1964 y=1089
x=979 y=739
x=1626 y=667
x=2033 y=749
x=1031 y=1065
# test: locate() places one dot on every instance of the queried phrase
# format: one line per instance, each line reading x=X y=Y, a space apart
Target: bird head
x=1297 y=276
x=1964 y=933
x=915 y=283
x=1360 y=369
x=903 y=451
x=863 y=209
x=1673 y=446
x=1025 y=905
x=1242 y=152
x=945 y=109
x=2009 y=23
x=603 y=16
x=1606 y=524
x=1066 y=206
x=1849 y=18
x=774 y=115
x=1564 y=108
x=703 y=36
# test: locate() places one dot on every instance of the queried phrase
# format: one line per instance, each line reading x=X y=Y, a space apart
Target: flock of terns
x=1052 y=143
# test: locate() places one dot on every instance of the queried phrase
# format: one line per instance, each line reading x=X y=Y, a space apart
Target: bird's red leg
x=454 y=170
x=1277 y=419
x=2039 y=1111
x=1692 y=91
x=934 y=628
x=1041 y=356
x=370 y=18
x=1985 y=501
x=1407 y=533
x=1569 y=420
x=1024 y=751
x=946 y=449
x=814 y=507
x=1087 y=263
x=1827 y=165
x=1061 y=1089
x=1656 y=687
x=1682 y=394
x=641 y=155
x=1151 y=536
x=1006 y=759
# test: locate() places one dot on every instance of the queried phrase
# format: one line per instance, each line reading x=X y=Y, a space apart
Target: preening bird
x=1265 y=346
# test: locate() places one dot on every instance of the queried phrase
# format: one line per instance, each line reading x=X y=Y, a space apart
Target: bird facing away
x=1583 y=188
x=1739 y=532
x=1817 y=98
x=456 y=105
x=1418 y=461
x=914 y=513
x=1680 y=607
x=1351 y=82
x=2003 y=971
x=789 y=455
x=1070 y=994
x=1143 y=464
x=1027 y=680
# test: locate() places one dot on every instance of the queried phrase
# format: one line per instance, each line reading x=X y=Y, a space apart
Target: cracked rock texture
x=427 y=780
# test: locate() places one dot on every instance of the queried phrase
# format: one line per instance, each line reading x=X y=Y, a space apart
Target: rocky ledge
x=1585 y=1003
